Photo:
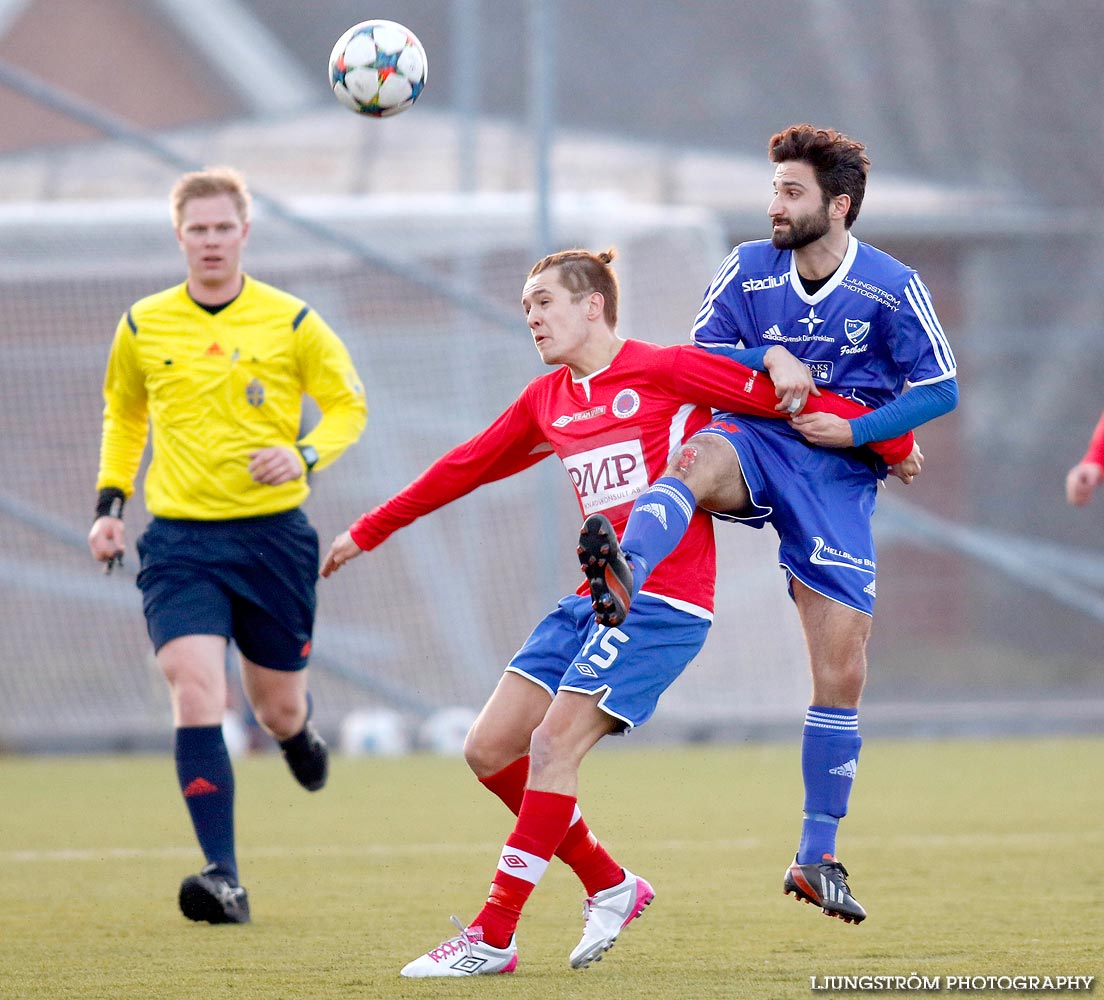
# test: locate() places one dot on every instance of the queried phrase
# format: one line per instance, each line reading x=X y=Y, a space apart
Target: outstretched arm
x=1083 y=479
x=915 y=407
x=342 y=549
x=508 y=446
x=908 y=411
x=716 y=379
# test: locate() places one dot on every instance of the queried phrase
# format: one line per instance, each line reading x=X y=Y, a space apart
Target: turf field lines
x=928 y=842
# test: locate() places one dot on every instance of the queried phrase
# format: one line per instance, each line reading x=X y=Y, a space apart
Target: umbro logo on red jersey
x=594 y=411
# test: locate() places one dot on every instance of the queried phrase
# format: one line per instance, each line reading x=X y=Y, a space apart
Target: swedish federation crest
x=255 y=393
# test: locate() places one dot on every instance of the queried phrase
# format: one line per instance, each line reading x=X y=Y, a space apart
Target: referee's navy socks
x=656 y=525
x=207 y=782
x=830 y=746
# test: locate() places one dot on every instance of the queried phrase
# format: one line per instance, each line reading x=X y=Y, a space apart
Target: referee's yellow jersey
x=214 y=388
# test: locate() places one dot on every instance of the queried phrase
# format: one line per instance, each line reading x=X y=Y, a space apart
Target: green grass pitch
x=972 y=858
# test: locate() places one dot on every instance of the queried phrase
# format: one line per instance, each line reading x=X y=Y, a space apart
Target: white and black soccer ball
x=378 y=68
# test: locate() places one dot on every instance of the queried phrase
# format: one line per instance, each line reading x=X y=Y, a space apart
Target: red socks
x=588 y=859
x=541 y=825
x=579 y=849
x=509 y=783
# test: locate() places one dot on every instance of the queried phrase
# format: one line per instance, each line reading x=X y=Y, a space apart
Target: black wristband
x=110 y=502
x=310 y=455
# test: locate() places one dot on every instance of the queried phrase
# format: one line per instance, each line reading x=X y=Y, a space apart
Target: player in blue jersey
x=816 y=308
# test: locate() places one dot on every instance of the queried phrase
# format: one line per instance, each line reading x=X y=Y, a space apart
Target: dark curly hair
x=840 y=163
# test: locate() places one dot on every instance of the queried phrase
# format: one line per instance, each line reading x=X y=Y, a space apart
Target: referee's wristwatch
x=310 y=455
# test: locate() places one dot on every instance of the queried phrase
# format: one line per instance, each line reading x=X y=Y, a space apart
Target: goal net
x=425 y=293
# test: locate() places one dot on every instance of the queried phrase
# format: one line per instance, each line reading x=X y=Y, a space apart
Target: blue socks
x=830 y=746
x=207 y=783
x=656 y=525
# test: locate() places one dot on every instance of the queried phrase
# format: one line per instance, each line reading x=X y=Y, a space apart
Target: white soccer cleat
x=464 y=955
x=606 y=914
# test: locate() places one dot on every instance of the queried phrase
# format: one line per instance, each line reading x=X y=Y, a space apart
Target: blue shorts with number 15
x=630 y=665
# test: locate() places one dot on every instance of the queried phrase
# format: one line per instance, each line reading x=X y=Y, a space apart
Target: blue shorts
x=819 y=500
x=631 y=665
x=251 y=579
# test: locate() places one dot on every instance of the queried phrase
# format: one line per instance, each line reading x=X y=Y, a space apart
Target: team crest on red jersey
x=625 y=403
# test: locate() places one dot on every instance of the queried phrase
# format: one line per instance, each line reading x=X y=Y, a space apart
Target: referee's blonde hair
x=210 y=183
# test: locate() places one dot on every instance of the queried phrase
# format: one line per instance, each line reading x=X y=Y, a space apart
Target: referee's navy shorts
x=249 y=579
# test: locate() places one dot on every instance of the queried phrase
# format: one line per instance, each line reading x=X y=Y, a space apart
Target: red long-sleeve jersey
x=614 y=432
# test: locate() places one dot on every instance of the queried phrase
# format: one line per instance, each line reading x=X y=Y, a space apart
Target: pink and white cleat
x=606 y=914
x=464 y=955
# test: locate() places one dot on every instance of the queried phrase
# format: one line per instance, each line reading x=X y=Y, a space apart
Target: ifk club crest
x=856 y=330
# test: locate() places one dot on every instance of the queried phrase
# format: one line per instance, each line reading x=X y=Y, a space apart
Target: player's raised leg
x=704 y=470
x=608 y=572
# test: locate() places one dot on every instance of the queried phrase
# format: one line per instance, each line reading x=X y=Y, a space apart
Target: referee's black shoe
x=214 y=897
x=308 y=757
x=607 y=570
x=824 y=884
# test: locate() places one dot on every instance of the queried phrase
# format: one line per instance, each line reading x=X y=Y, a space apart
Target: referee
x=217 y=368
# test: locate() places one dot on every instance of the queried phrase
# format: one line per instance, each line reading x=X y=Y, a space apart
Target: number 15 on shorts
x=609 y=641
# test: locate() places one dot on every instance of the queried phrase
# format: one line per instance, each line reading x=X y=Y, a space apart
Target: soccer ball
x=378 y=68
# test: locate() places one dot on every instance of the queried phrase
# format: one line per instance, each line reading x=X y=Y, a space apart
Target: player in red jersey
x=1083 y=479
x=612 y=411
